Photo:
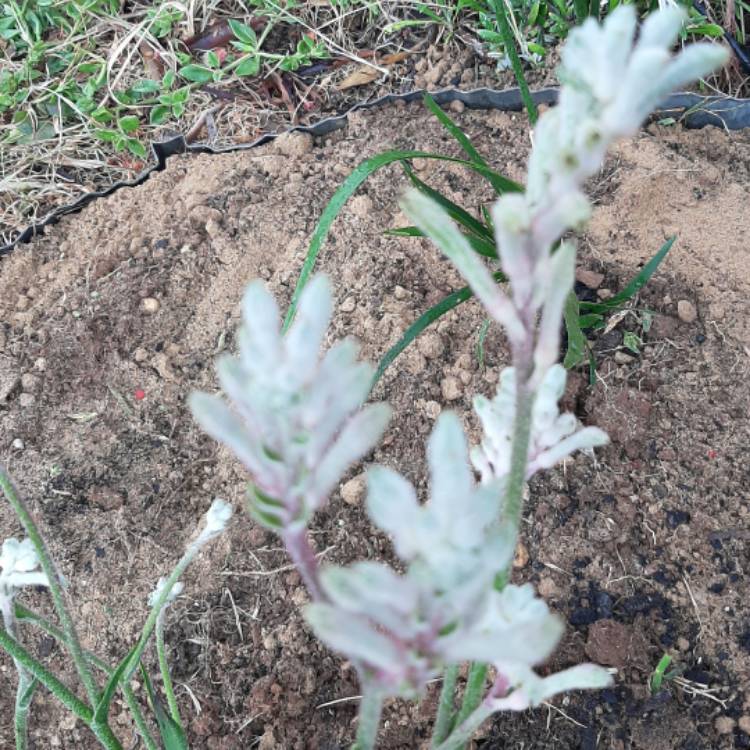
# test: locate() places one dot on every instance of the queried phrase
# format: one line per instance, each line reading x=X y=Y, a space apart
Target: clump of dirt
x=114 y=315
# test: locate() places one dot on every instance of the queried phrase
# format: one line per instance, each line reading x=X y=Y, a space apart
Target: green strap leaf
x=499 y=183
x=577 y=344
x=478 y=245
x=423 y=321
x=635 y=284
x=101 y=711
x=456 y=212
x=345 y=191
x=171 y=733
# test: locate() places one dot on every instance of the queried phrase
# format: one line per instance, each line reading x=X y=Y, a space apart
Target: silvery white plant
x=297 y=421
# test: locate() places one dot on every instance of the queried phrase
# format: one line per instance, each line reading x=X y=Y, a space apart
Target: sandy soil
x=643 y=551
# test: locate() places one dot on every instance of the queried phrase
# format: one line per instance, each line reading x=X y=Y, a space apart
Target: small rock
x=294 y=144
x=105 y=498
x=457 y=106
x=521 y=557
x=432 y=409
x=589 y=278
x=744 y=724
x=9 y=379
x=400 y=293
x=30 y=382
x=22 y=303
x=361 y=206
x=451 y=388
x=40 y=364
x=547 y=588
x=724 y=725
x=431 y=345
x=26 y=399
x=604 y=293
x=623 y=358
x=354 y=490
x=348 y=305
x=686 y=311
x=609 y=643
x=18 y=444
x=683 y=643
x=140 y=354
x=150 y=305
x=213 y=228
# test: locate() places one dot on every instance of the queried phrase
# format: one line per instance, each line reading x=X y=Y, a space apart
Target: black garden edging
x=692 y=110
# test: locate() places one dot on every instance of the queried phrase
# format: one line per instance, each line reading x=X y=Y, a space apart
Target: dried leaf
x=363 y=75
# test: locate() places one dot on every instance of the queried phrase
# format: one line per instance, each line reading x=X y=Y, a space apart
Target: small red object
x=712 y=454
x=140 y=394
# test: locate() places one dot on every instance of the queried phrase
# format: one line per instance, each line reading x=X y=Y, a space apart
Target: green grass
x=87 y=85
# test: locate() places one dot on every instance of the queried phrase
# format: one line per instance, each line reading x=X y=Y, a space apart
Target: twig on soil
x=263 y=573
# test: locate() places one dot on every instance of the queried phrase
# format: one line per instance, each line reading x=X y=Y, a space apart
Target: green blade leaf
x=499 y=183
x=102 y=707
x=635 y=284
x=426 y=319
x=577 y=344
x=479 y=246
x=458 y=214
x=344 y=192
x=172 y=734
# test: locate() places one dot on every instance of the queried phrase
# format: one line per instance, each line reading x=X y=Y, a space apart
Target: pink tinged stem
x=298 y=547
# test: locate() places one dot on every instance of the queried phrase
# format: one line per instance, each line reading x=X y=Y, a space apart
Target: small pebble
x=40 y=364
x=589 y=278
x=354 y=490
x=457 y=106
x=431 y=345
x=400 y=293
x=744 y=724
x=683 y=643
x=432 y=409
x=348 y=305
x=22 y=303
x=451 y=388
x=18 y=444
x=29 y=382
x=140 y=354
x=623 y=358
x=521 y=558
x=604 y=293
x=150 y=305
x=724 y=725
x=686 y=311
x=26 y=399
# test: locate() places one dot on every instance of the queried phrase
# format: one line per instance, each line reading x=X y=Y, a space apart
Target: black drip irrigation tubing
x=691 y=110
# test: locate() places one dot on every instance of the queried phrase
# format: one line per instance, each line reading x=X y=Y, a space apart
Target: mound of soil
x=112 y=317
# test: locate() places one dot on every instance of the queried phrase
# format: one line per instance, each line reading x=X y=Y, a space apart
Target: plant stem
x=464 y=731
x=298 y=548
x=55 y=586
x=164 y=667
x=446 y=706
x=509 y=42
x=21 y=711
x=57 y=688
x=370 y=709
x=473 y=693
x=23 y=613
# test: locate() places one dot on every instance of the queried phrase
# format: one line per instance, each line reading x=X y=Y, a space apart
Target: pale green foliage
x=554 y=436
x=297 y=422
x=19 y=567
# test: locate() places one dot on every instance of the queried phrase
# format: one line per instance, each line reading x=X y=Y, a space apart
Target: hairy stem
x=298 y=547
x=464 y=731
x=446 y=706
x=164 y=667
x=21 y=712
x=369 y=717
x=55 y=586
x=23 y=613
x=472 y=695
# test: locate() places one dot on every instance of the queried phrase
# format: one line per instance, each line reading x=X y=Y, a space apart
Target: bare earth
x=645 y=550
